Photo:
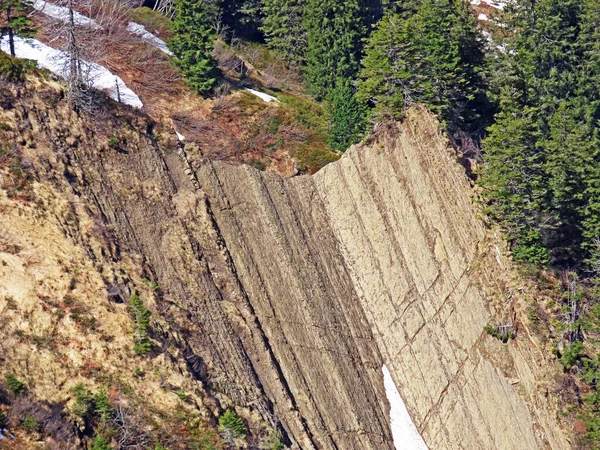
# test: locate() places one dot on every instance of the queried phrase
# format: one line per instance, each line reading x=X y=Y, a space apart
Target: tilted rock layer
x=288 y=295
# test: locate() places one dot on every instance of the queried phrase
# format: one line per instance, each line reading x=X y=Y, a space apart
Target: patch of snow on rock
x=62 y=13
x=405 y=433
x=263 y=96
x=140 y=30
x=483 y=17
x=180 y=136
x=56 y=62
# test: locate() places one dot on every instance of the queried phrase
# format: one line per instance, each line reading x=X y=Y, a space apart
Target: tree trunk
x=11 y=37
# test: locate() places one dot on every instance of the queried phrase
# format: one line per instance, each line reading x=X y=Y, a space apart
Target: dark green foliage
x=14 y=385
x=243 y=18
x=229 y=422
x=12 y=69
x=15 y=21
x=284 y=28
x=571 y=354
x=502 y=334
x=542 y=172
x=141 y=323
x=102 y=405
x=101 y=443
x=83 y=400
x=433 y=56
x=335 y=29
x=347 y=125
x=30 y=423
x=192 y=42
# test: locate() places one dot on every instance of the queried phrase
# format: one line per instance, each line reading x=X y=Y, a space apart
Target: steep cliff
x=285 y=297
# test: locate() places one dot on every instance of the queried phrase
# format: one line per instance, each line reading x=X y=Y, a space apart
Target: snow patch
x=180 y=136
x=62 y=13
x=266 y=97
x=140 y=30
x=405 y=433
x=483 y=17
x=56 y=62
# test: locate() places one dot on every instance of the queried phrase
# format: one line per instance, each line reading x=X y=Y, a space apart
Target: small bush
x=30 y=423
x=113 y=143
x=101 y=443
x=141 y=323
x=182 y=394
x=257 y=164
x=15 y=386
x=230 y=423
x=273 y=442
x=13 y=69
x=498 y=333
x=83 y=400
x=572 y=353
x=102 y=405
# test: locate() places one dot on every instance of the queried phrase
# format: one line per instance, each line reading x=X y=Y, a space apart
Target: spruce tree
x=192 y=42
x=347 y=125
x=535 y=178
x=335 y=29
x=432 y=56
x=15 y=21
x=284 y=29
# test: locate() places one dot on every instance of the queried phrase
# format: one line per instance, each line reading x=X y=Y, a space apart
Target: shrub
x=101 y=443
x=113 y=143
x=83 y=400
x=30 y=423
x=141 y=322
x=15 y=386
x=571 y=354
x=230 y=423
x=102 y=405
x=13 y=69
x=500 y=333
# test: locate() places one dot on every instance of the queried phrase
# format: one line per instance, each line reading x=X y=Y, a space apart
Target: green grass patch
x=152 y=20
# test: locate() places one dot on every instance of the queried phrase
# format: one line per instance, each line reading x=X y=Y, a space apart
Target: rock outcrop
x=291 y=294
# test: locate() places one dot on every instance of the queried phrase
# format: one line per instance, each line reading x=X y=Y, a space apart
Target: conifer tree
x=335 y=29
x=15 y=21
x=192 y=42
x=431 y=56
x=284 y=29
x=347 y=126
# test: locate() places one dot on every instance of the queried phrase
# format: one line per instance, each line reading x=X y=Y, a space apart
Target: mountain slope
x=283 y=298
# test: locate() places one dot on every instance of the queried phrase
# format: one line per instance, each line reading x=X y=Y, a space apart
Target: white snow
x=483 y=17
x=141 y=31
x=180 y=136
x=62 y=13
x=404 y=432
x=55 y=61
x=266 y=97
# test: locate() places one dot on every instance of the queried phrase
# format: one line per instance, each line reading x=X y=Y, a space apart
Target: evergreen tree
x=15 y=21
x=335 y=29
x=347 y=117
x=244 y=18
x=192 y=42
x=431 y=56
x=537 y=184
x=284 y=29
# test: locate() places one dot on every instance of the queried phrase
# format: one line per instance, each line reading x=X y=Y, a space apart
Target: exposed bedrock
x=380 y=258
x=295 y=292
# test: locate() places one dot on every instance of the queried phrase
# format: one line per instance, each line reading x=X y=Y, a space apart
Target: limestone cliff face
x=380 y=258
x=288 y=295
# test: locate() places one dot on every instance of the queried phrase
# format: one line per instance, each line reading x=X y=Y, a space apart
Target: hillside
x=281 y=299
